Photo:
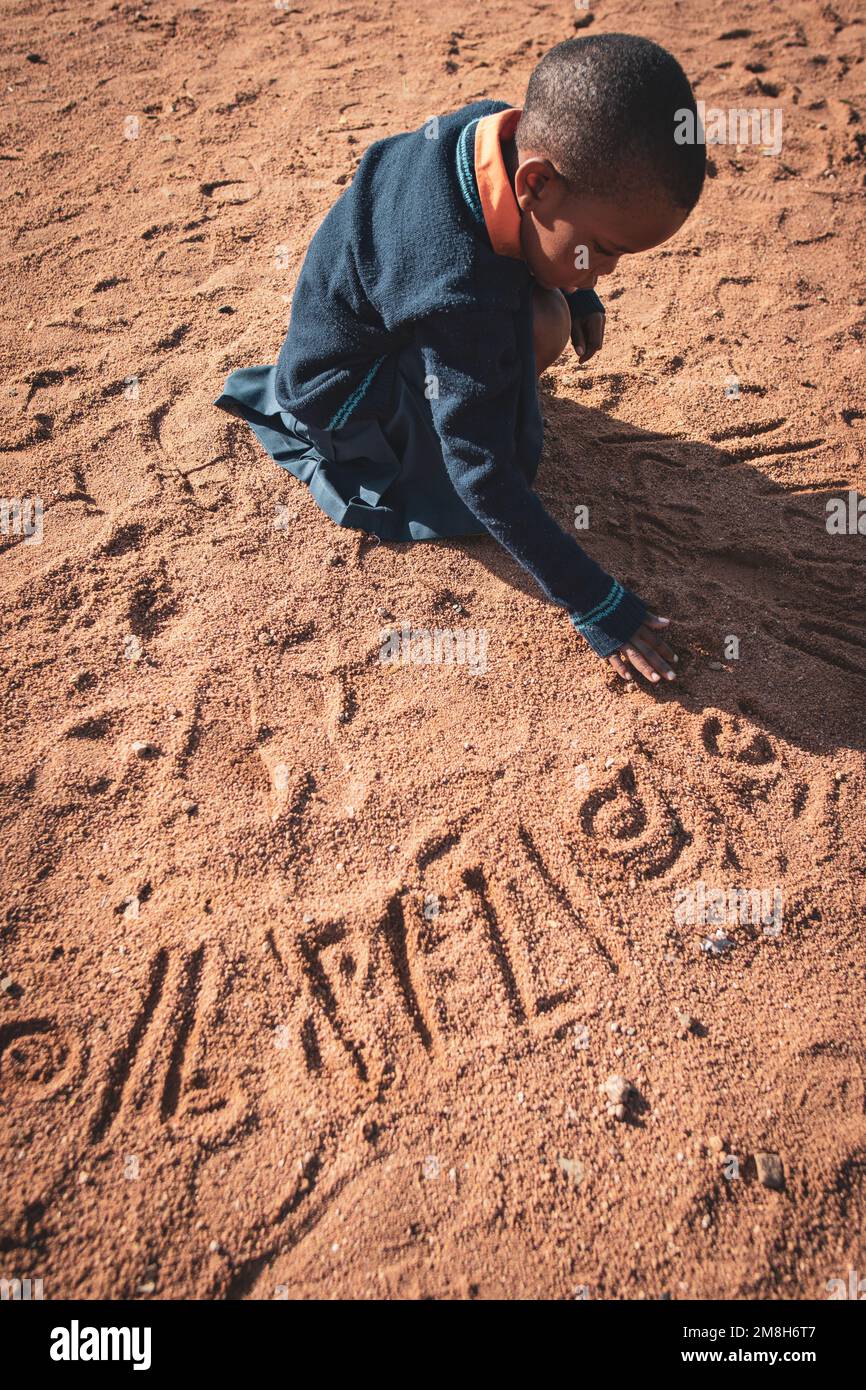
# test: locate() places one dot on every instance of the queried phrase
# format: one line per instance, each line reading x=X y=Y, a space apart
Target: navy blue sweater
x=403 y=257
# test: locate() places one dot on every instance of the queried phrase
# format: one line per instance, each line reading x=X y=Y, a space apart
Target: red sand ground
x=286 y=1073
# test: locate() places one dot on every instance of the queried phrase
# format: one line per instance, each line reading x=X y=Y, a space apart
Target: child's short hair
x=603 y=109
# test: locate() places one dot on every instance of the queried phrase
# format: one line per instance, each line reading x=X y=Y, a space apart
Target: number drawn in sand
x=640 y=828
x=151 y=1068
x=38 y=1059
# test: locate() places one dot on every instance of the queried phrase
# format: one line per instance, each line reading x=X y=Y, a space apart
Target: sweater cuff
x=610 y=624
x=582 y=303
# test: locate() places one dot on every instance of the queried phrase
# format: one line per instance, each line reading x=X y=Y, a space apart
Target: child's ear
x=534 y=181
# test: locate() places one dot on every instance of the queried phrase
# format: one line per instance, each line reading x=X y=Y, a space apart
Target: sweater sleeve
x=473 y=363
x=582 y=303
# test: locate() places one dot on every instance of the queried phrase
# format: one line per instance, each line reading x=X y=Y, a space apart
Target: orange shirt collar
x=501 y=213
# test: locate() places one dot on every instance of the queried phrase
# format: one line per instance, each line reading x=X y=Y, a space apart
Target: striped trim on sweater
x=466 y=170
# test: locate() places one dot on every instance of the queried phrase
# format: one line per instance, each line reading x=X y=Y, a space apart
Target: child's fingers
x=650 y=663
x=594 y=329
x=619 y=666
x=661 y=646
x=641 y=663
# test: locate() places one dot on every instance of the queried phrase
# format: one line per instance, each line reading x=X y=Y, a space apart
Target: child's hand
x=587 y=335
x=647 y=651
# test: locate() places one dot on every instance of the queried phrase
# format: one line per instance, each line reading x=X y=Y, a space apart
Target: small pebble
x=718 y=944
x=716 y=666
x=142 y=749
x=617 y=1090
x=572 y=1168
x=770 y=1171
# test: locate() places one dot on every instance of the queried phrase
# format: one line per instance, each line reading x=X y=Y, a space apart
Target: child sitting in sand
x=447 y=277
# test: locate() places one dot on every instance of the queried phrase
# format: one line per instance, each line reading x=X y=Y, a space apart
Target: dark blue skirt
x=384 y=475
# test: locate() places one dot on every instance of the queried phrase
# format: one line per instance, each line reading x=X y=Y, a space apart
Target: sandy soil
x=315 y=997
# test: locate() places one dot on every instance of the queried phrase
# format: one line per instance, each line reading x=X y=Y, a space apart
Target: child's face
x=568 y=240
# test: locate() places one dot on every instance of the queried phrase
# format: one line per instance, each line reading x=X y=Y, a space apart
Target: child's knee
x=551 y=325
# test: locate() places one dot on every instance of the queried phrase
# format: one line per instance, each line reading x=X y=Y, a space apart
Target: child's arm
x=473 y=358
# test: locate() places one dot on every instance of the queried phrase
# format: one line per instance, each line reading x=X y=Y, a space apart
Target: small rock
x=149 y=1287
x=716 y=666
x=7 y=983
x=718 y=944
x=130 y=908
x=715 y=1144
x=143 y=749
x=770 y=1171
x=189 y=808
x=687 y=1022
x=572 y=1168
x=617 y=1090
